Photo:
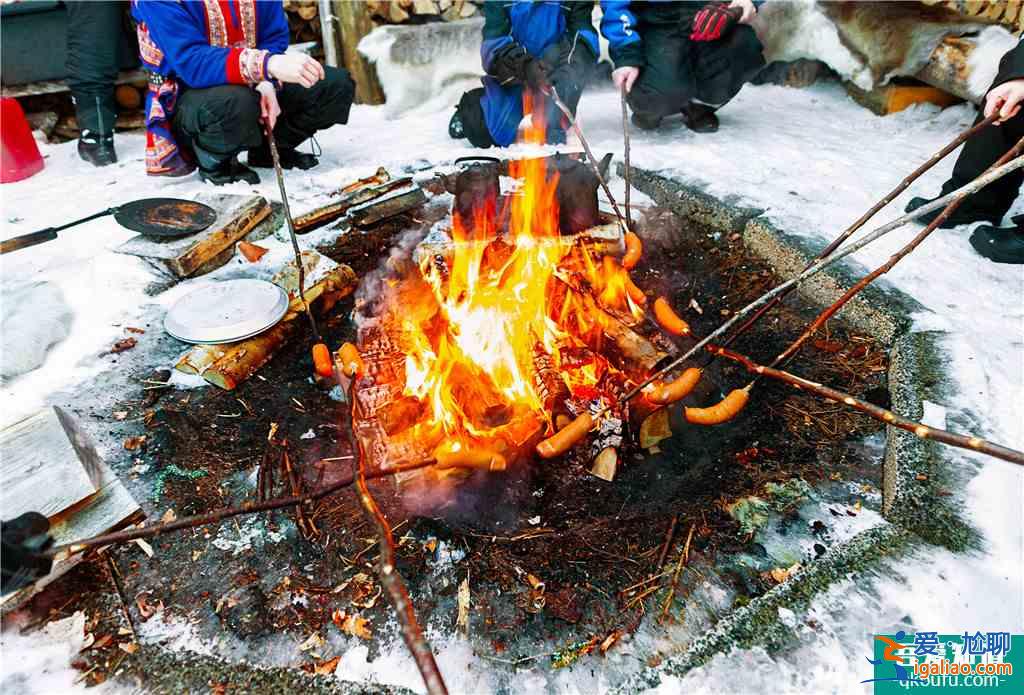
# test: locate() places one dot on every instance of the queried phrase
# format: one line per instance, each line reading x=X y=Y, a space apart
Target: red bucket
x=19 y=155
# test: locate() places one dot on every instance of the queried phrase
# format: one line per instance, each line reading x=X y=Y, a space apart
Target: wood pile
x=402 y=11
x=1008 y=13
x=303 y=20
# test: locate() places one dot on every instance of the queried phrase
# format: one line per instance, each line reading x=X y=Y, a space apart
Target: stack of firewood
x=400 y=11
x=303 y=20
x=1006 y=12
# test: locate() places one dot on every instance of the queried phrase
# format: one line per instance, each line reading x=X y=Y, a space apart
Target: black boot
x=290 y=159
x=229 y=171
x=965 y=214
x=1001 y=244
x=700 y=118
x=644 y=122
x=96 y=148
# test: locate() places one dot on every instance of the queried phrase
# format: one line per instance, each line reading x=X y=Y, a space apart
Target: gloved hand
x=714 y=20
x=514 y=64
x=23 y=541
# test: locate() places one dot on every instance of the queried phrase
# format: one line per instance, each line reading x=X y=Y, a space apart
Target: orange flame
x=473 y=362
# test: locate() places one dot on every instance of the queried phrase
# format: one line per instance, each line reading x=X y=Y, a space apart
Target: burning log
x=625 y=348
x=549 y=383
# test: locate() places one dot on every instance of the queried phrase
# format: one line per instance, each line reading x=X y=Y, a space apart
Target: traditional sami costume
x=203 y=59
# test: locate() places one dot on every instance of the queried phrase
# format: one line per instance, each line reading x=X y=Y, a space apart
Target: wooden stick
x=824 y=316
x=590 y=155
x=291 y=233
x=849 y=231
x=625 y=151
x=881 y=414
x=819 y=266
x=185 y=522
x=388 y=574
x=683 y=557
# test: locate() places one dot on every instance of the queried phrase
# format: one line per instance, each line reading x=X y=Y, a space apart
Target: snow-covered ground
x=814 y=161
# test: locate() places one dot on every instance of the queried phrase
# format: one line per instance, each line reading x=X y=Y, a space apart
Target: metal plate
x=165 y=217
x=226 y=312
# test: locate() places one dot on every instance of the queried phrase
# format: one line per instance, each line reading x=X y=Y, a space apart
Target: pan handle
x=50 y=233
x=25 y=240
x=108 y=211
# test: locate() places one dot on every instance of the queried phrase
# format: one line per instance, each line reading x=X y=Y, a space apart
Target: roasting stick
x=398 y=595
x=820 y=265
x=590 y=154
x=888 y=198
x=291 y=233
x=625 y=153
x=819 y=321
x=185 y=522
x=881 y=414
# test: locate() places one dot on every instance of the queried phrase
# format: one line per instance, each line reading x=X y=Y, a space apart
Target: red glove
x=713 y=21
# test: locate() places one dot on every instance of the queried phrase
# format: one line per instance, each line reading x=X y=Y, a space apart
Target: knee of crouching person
x=339 y=83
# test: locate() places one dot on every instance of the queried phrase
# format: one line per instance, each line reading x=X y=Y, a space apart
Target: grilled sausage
x=675 y=390
x=634 y=249
x=351 y=362
x=448 y=456
x=723 y=411
x=322 y=360
x=563 y=440
x=668 y=319
x=635 y=293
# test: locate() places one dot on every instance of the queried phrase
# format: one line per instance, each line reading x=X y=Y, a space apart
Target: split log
x=948 y=68
x=353 y=24
x=227 y=366
x=373 y=212
x=349 y=200
x=44 y=468
x=606 y=464
x=127 y=97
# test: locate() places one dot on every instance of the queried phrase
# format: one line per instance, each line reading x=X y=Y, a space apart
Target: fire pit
x=564 y=557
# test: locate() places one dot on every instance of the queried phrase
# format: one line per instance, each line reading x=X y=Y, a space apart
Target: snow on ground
x=814 y=161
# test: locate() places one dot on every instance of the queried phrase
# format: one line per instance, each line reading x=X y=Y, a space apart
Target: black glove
x=513 y=64
x=23 y=541
x=714 y=20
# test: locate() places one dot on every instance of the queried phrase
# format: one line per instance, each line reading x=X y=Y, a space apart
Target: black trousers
x=979 y=153
x=93 y=38
x=218 y=122
x=677 y=70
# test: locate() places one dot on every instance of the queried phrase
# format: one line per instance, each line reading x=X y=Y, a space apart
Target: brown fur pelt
x=895 y=38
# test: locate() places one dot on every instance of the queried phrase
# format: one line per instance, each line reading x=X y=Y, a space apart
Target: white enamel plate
x=226 y=312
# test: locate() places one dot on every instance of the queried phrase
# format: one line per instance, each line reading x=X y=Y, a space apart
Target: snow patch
x=34 y=317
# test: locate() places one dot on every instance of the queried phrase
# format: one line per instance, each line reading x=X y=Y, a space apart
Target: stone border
x=913 y=472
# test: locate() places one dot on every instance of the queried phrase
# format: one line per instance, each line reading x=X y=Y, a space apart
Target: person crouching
x=681 y=57
x=527 y=46
x=218 y=71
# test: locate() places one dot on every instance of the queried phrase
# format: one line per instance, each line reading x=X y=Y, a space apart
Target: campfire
x=506 y=324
